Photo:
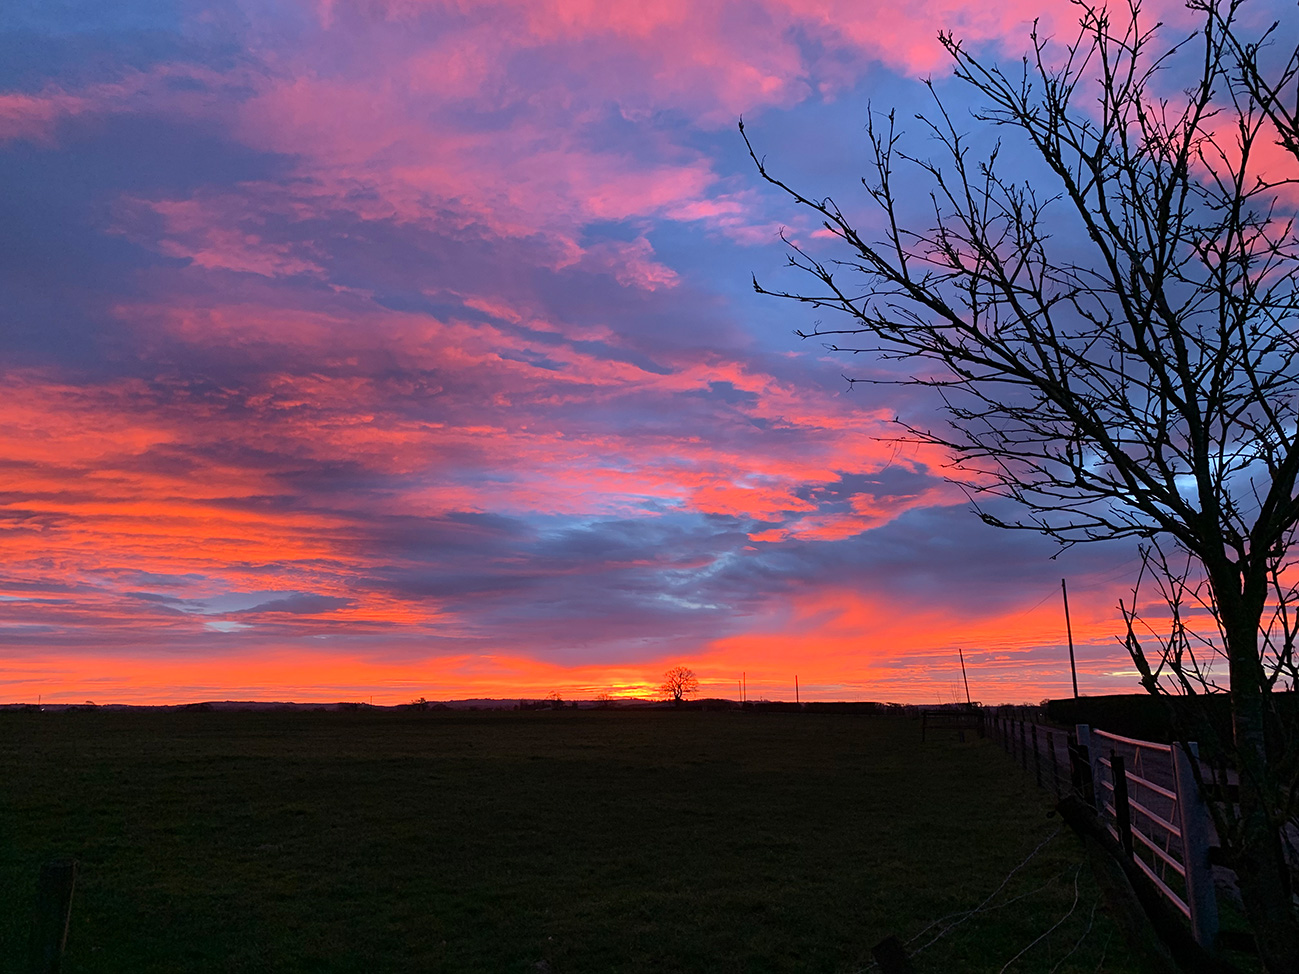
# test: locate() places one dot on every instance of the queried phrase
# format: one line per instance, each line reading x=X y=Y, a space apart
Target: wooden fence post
x=53 y=909
x=1193 y=818
x=1122 y=810
x=1094 y=762
x=1081 y=766
x=1023 y=746
x=1055 y=765
x=1037 y=759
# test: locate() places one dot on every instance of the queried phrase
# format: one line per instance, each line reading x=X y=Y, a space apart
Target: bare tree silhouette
x=1115 y=344
x=678 y=683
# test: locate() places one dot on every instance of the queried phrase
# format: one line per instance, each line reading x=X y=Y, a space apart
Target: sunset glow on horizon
x=408 y=348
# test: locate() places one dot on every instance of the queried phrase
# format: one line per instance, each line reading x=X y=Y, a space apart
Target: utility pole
x=964 y=677
x=1073 y=667
x=744 y=687
x=796 y=700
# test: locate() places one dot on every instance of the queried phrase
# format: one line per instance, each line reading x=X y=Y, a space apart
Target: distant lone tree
x=678 y=683
x=1114 y=346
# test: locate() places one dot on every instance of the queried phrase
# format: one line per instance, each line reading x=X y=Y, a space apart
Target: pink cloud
x=491 y=113
x=35 y=117
x=632 y=264
x=219 y=233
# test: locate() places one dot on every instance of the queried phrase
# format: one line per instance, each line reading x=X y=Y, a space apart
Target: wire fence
x=1044 y=752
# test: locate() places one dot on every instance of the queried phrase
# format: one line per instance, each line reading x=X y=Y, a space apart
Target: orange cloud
x=840 y=644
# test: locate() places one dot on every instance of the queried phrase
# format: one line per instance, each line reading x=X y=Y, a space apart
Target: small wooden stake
x=53 y=910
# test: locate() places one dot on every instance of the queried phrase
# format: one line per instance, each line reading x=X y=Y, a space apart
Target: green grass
x=651 y=841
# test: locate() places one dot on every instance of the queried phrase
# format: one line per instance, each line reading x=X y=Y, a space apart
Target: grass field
x=633 y=841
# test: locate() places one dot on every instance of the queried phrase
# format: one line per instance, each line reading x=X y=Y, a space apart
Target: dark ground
x=569 y=841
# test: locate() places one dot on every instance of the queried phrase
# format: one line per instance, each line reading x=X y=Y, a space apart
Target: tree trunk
x=1258 y=855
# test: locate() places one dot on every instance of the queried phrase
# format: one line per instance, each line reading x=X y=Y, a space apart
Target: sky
x=399 y=348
